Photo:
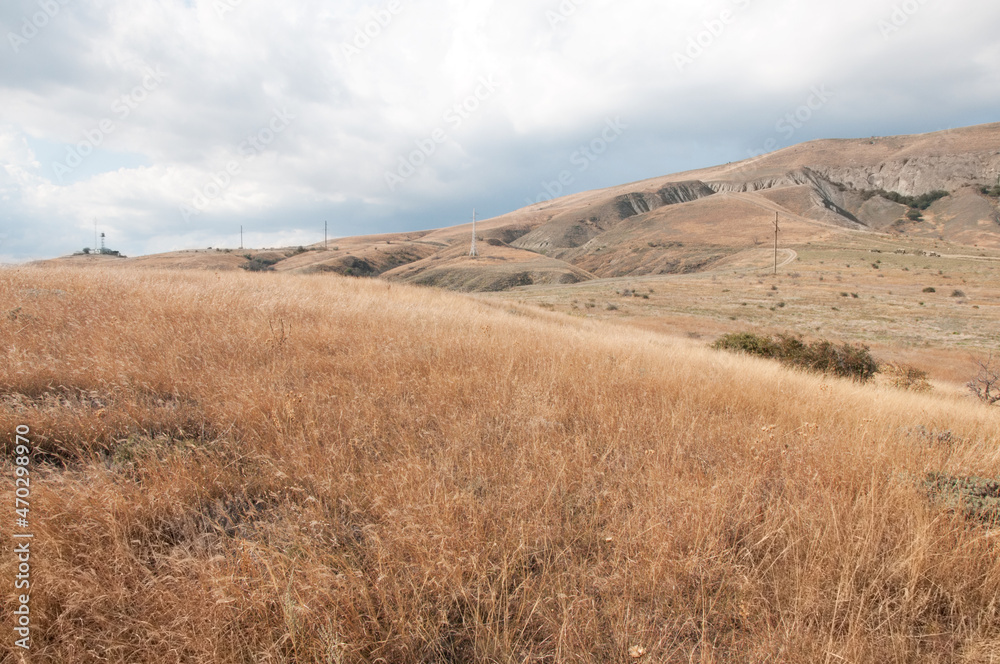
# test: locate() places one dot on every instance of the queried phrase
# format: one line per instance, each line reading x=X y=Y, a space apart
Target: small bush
x=957 y=293
x=921 y=202
x=913 y=214
x=975 y=498
x=855 y=362
x=986 y=385
x=930 y=289
x=747 y=342
x=258 y=264
x=905 y=377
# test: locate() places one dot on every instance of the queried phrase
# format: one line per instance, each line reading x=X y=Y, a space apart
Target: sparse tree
x=986 y=384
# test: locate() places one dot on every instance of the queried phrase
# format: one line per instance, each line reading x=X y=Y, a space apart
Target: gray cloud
x=369 y=83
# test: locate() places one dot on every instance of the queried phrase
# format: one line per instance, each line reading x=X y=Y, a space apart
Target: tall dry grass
x=272 y=468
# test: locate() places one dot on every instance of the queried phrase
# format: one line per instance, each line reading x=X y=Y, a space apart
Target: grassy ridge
x=246 y=468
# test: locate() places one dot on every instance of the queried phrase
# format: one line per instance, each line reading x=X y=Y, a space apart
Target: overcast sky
x=172 y=122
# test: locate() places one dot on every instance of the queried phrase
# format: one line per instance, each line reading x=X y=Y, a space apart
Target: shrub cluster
x=976 y=498
x=905 y=377
x=921 y=202
x=855 y=362
x=259 y=264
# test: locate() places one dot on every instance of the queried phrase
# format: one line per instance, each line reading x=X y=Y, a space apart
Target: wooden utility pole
x=775 y=243
x=241 y=237
x=473 y=251
x=324 y=235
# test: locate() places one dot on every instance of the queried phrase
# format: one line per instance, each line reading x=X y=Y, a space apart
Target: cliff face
x=919 y=175
x=574 y=229
x=672 y=194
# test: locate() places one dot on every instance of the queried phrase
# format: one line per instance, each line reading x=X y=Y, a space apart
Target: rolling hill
x=686 y=222
x=321 y=469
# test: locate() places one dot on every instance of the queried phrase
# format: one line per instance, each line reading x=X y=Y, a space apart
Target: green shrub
x=921 y=202
x=855 y=362
x=747 y=342
x=930 y=289
x=258 y=264
x=975 y=498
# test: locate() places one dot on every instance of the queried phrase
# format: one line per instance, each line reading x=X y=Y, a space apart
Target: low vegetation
x=904 y=376
x=985 y=386
x=309 y=468
x=921 y=202
x=847 y=360
x=976 y=498
x=259 y=263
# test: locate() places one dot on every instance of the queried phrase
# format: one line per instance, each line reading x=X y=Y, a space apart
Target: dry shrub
x=904 y=376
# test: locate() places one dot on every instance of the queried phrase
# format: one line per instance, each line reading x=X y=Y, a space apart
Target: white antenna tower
x=472 y=251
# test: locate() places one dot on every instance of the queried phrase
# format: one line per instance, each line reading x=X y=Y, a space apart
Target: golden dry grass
x=277 y=468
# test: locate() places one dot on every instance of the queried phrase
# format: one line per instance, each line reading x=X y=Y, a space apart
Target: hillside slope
x=688 y=221
x=311 y=468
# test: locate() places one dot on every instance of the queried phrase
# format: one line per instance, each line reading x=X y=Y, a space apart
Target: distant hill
x=684 y=222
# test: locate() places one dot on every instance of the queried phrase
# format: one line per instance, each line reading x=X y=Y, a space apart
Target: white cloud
x=368 y=82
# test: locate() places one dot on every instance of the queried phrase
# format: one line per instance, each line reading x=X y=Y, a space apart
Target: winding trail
x=792 y=257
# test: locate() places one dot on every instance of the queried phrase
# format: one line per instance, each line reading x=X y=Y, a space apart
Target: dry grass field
x=239 y=467
x=850 y=287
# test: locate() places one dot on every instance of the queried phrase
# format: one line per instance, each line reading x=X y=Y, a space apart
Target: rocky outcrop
x=574 y=229
x=674 y=193
x=918 y=175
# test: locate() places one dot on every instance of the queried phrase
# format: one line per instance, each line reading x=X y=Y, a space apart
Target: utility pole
x=472 y=251
x=775 y=243
x=95 y=236
x=324 y=235
x=241 y=237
